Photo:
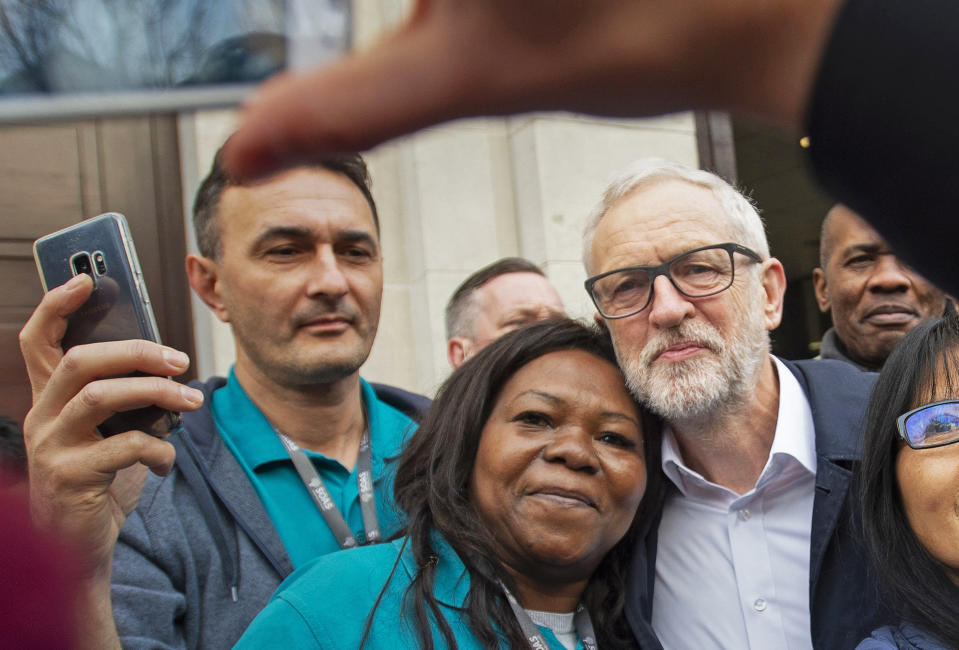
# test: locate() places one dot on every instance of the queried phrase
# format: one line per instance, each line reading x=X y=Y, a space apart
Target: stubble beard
x=702 y=387
x=297 y=366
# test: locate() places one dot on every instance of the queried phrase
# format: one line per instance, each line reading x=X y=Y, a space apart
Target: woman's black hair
x=432 y=487
x=922 y=368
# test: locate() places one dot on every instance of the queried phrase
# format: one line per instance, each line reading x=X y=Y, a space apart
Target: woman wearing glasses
x=909 y=486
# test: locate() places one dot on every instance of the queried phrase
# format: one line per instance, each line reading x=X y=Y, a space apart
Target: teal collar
x=452 y=583
x=256 y=441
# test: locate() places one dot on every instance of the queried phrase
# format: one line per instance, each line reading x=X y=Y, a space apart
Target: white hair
x=742 y=218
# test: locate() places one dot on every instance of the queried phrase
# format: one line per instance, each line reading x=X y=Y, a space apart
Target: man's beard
x=705 y=385
x=274 y=351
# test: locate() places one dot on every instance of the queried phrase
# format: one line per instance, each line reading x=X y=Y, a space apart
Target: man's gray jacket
x=199 y=557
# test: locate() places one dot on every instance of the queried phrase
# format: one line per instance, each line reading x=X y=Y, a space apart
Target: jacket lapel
x=835 y=391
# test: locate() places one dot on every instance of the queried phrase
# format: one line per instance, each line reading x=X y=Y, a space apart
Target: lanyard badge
x=321 y=496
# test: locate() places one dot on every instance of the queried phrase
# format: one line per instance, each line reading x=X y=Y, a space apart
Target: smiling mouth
x=566 y=498
x=890 y=315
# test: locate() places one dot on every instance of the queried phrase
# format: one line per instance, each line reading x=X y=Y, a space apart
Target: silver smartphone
x=119 y=307
x=83 y=58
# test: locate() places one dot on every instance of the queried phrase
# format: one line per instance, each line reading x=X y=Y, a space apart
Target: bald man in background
x=503 y=296
x=873 y=296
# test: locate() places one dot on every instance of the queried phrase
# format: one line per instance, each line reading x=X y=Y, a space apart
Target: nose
x=889 y=275
x=326 y=278
x=573 y=446
x=667 y=307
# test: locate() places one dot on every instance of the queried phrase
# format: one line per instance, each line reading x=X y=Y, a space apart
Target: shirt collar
x=452 y=580
x=795 y=432
x=246 y=426
x=795 y=438
x=256 y=440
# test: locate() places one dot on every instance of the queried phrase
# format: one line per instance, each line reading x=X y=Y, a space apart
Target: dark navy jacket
x=843 y=592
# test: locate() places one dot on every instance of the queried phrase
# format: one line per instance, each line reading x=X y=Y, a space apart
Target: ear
x=821 y=288
x=204 y=275
x=457 y=350
x=774 y=288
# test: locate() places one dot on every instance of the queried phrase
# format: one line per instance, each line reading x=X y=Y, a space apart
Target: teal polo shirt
x=303 y=614
x=288 y=503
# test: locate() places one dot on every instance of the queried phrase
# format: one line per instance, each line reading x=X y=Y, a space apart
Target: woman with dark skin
x=909 y=486
x=525 y=488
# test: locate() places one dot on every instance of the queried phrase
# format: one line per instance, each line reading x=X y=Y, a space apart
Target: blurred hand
x=82 y=485
x=457 y=58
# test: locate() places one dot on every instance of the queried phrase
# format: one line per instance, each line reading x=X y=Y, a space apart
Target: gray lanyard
x=582 y=621
x=321 y=496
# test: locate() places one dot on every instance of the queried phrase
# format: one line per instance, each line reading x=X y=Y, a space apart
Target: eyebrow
x=357 y=236
x=287 y=232
x=526 y=311
x=301 y=233
x=615 y=415
x=862 y=248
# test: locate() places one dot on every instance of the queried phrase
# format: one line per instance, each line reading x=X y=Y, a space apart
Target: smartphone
x=119 y=307
x=92 y=58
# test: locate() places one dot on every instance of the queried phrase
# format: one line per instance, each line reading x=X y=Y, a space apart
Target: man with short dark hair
x=755 y=546
x=874 y=298
x=286 y=459
x=503 y=296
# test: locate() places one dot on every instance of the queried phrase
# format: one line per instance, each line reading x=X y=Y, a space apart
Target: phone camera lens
x=81 y=264
x=100 y=263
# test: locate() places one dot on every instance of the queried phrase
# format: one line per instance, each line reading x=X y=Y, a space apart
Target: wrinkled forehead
x=579 y=379
x=847 y=228
x=656 y=222
x=520 y=288
x=302 y=197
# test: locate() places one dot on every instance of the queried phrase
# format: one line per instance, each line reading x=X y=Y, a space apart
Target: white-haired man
x=754 y=547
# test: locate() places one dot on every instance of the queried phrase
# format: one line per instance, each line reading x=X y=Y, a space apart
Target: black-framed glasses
x=697 y=273
x=930 y=425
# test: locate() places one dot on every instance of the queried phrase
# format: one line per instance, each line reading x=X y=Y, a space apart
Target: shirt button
x=759 y=605
x=744 y=514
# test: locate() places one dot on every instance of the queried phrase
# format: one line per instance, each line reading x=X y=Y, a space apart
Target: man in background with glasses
x=755 y=546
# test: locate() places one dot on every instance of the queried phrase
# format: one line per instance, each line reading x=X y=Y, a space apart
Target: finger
x=70 y=483
x=127 y=486
x=85 y=363
x=97 y=464
x=103 y=398
x=450 y=60
x=340 y=108
x=41 y=336
x=122 y=452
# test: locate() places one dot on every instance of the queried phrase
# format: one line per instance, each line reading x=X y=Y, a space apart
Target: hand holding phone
x=82 y=486
x=118 y=308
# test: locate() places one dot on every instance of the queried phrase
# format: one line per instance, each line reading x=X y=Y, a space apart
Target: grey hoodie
x=199 y=557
